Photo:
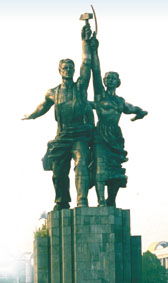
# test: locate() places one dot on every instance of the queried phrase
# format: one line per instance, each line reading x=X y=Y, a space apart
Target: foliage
x=152 y=270
x=41 y=232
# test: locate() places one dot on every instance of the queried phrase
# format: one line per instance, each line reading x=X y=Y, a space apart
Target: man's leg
x=80 y=154
x=60 y=179
x=100 y=188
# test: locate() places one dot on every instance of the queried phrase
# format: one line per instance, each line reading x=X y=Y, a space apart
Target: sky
x=35 y=35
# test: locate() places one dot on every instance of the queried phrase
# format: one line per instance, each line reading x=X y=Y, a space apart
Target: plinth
x=88 y=245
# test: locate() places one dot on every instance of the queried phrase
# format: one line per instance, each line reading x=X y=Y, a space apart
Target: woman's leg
x=112 y=191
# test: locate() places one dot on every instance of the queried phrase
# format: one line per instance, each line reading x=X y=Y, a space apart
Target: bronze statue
x=76 y=133
x=109 y=150
x=75 y=119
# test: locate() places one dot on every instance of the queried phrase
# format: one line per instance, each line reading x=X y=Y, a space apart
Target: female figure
x=109 y=142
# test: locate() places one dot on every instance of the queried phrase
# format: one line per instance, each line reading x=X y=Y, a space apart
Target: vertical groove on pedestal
x=55 y=246
x=126 y=247
x=66 y=246
x=60 y=246
x=119 y=270
x=72 y=247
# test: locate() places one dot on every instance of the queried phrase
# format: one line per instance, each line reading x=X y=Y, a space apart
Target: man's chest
x=64 y=96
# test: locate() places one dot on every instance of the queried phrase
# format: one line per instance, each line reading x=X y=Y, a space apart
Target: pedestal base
x=89 y=245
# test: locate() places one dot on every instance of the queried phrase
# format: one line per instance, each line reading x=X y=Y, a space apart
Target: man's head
x=112 y=80
x=66 y=68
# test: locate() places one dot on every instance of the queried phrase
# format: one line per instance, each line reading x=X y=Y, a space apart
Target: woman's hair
x=115 y=74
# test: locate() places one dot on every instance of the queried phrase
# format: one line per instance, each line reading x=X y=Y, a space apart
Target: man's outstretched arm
x=42 y=108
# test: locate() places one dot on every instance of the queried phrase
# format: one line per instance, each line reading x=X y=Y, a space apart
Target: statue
x=109 y=152
x=75 y=119
x=77 y=138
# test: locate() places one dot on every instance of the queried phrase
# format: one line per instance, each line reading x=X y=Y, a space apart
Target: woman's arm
x=85 y=69
x=96 y=70
x=131 y=109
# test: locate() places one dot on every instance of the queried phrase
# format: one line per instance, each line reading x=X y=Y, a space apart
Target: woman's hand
x=139 y=115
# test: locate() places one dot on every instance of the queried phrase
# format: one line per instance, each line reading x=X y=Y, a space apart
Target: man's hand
x=139 y=115
x=94 y=43
x=26 y=117
x=86 y=32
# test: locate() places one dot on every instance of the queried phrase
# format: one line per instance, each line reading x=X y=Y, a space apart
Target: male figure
x=75 y=126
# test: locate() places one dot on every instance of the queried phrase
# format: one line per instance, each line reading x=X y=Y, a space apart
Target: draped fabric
x=109 y=142
x=62 y=144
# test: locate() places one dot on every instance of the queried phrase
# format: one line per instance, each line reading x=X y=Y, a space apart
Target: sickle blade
x=94 y=13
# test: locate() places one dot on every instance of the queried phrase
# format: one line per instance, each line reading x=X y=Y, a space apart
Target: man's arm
x=96 y=70
x=85 y=69
x=130 y=109
x=42 y=108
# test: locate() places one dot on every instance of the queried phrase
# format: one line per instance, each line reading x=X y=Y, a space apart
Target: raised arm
x=130 y=109
x=42 y=108
x=96 y=70
x=85 y=69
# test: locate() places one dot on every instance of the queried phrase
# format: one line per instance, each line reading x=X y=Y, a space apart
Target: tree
x=152 y=270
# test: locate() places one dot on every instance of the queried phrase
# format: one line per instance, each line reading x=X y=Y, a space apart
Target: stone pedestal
x=91 y=245
x=41 y=260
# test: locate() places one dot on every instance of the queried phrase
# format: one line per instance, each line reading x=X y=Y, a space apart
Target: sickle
x=94 y=13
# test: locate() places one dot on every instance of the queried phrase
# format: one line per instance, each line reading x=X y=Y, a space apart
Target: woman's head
x=111 y=80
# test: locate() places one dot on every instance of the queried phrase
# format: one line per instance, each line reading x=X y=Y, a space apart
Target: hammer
x=86 y=17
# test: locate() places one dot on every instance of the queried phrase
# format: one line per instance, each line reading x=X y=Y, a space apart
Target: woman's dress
x=109 y=142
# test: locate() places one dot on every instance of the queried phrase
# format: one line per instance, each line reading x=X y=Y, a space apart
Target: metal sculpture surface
x=77 y=138
x=109 y=153
x=75 y=119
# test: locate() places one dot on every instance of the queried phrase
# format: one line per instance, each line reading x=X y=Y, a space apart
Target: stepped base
x=88 y=245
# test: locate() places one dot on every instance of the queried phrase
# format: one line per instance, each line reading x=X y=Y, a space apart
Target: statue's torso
x=109 y=109
x=108 y=133
x=71 y=107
